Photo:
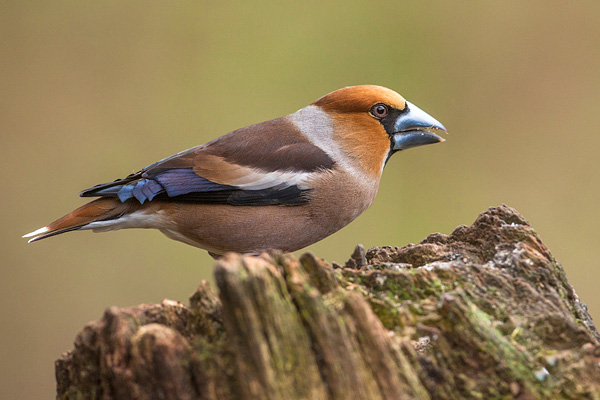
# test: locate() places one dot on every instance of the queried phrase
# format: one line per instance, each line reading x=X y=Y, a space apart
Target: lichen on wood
x=485 y=312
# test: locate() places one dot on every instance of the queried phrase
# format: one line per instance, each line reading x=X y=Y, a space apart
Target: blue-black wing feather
x=183 y=184
x=269 y=147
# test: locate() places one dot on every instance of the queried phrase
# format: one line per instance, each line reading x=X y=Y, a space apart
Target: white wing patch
x=260 y=180
x=248 y=178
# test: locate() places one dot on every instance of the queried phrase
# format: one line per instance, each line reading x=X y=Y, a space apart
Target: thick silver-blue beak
x=415 y=128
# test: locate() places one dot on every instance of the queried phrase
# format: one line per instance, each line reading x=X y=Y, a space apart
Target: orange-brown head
x=371 y=122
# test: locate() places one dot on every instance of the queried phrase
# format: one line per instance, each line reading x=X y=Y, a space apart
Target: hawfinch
x=281 y=184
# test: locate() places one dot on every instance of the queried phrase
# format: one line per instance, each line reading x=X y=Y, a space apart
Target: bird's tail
x=100 y=214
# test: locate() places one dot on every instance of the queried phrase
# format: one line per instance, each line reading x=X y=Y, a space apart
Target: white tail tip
x=35 y=233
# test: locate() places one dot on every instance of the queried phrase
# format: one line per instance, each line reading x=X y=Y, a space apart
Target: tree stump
x=485 y=312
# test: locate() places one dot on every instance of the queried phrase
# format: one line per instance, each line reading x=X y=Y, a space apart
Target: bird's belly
x=251 y=229
x=221 y=228
x=244 y=229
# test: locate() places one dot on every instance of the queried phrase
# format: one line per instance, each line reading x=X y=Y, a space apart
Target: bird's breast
x=338 y=197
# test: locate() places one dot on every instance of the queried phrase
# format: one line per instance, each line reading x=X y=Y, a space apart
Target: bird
x=281 y=184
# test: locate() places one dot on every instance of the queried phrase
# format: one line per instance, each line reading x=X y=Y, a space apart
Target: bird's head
x=370 y=123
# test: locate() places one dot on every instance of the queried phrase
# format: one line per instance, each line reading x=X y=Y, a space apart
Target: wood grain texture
x=485 y=312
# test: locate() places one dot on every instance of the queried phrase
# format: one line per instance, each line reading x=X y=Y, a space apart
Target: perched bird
x=281 y=184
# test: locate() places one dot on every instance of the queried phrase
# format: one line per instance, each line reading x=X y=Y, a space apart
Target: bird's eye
x=379 y=110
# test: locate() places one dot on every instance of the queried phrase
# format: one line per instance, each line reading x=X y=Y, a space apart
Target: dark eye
x=379 y=110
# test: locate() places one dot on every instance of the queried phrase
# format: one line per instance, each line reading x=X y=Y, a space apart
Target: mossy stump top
x=484 y=313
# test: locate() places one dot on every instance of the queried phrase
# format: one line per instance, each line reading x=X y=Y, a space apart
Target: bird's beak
x=415 y=128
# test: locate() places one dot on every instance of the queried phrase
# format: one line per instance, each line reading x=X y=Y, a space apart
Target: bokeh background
x=92 y=91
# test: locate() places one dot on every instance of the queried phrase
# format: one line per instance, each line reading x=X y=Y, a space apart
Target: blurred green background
x=92 y=91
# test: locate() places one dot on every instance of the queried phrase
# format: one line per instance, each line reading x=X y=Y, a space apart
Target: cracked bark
x=485 y=312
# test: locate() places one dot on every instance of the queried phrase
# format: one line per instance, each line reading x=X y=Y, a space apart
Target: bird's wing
x=263 y=164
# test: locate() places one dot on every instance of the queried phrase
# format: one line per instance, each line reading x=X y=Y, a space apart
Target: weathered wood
x=485 y=312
